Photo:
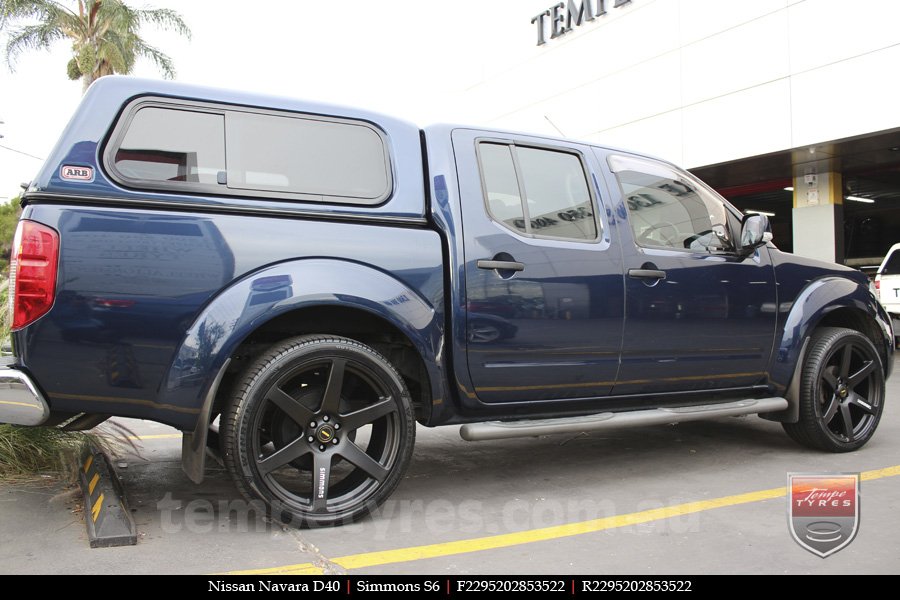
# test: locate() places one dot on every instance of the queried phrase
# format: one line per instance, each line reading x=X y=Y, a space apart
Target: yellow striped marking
x=95 y=509
x=88 y=463
x=25 y=404
x=157 y=436
x=386 y=557
x=93 y=483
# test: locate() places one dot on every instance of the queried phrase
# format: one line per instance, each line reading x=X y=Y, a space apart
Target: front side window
x=668 y=209
x=537 y=191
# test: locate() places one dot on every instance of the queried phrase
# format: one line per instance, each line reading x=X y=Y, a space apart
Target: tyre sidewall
x=251 y=399
x=822 y=350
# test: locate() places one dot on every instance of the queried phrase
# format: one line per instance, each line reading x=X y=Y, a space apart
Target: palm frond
x=117 y=51
x=105 y=34
x=45 y=11
x=24 y=9
x=31 y=37
x=163 y=62
x=163 y=18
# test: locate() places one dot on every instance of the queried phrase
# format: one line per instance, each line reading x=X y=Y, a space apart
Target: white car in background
x=887 y=286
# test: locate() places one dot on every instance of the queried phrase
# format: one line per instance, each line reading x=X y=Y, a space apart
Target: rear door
x=543 y=282
x=699 y=315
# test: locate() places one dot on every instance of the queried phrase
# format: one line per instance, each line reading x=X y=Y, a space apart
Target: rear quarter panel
x=133 y=283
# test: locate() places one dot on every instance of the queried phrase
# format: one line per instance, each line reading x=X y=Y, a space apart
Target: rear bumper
x=20 y=401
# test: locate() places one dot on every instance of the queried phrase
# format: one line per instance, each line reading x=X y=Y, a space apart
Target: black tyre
x=320 y=428
x=841 y=392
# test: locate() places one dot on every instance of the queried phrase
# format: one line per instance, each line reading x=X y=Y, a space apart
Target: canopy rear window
x=205 y=149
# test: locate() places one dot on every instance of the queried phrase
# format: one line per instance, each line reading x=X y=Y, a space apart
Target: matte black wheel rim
x=326 y=437
x=850 y=393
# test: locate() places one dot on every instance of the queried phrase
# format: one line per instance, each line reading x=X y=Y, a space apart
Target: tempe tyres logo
x=823 y=514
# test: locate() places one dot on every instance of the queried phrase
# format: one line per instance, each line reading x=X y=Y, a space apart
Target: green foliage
x=9 y=218
x=29 y=451
x=73 y=71
x=105 y=34
x=26 y=451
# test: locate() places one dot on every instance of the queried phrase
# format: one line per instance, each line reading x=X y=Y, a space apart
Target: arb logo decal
x=823 y=514
x=72 y=173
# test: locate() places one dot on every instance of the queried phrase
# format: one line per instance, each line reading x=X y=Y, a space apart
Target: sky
x=409 y=58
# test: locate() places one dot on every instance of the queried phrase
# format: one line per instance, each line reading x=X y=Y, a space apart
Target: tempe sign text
x=565 y=17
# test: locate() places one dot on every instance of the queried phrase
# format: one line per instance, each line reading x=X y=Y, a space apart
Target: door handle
x=646 y=274
x=500 y=265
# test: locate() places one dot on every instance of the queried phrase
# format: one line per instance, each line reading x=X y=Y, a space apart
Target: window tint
x=558 y=201
x=305 y=156
x=892 y=264
x=501 y=186
x=225 y=150
x=668 y=209
x=164 y=144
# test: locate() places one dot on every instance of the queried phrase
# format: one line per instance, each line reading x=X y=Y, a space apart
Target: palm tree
x=104 y=34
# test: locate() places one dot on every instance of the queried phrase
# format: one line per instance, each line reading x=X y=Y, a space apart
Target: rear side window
x=538 y=192
x=892 y=264
x=162 y=144
x=305 y=156
x=200 y=148
x=501 y=187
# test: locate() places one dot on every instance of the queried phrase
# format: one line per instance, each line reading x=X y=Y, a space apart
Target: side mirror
x=755 y=232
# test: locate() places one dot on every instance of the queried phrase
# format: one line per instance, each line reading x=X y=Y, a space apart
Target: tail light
x=32 y=272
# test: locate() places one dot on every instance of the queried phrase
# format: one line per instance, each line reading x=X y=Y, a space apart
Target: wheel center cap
x=842 y=391
x=325 y=433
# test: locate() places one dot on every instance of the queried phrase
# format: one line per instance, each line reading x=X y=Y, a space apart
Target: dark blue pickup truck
x=303 y=284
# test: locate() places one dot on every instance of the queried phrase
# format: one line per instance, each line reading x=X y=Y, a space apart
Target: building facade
x=787 y=107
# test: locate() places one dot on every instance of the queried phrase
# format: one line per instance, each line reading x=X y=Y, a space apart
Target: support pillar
x=818 y=215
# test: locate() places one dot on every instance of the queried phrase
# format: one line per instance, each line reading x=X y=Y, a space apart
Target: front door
x=699 y=314
x=543 y=285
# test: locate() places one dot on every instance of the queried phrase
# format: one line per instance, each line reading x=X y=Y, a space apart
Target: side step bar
x=499 y=430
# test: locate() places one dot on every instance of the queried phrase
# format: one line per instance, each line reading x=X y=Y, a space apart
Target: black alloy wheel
x=841 y=392
x=320 y=429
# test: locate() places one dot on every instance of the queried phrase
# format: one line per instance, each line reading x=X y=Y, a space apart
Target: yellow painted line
x=88 y=463
x=25 y=404
x=95 y=509
x=158 y=436
x=386 y=557
x=880 y=473
x=93 y=483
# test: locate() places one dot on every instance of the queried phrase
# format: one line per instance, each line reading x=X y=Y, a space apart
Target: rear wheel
x=841 y=392
x=320 y=428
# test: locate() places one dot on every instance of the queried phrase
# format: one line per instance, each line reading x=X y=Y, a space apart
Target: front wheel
x=321 y=429
x=841 y=392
